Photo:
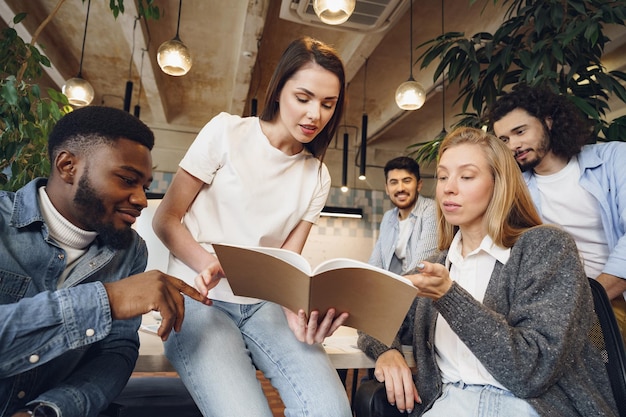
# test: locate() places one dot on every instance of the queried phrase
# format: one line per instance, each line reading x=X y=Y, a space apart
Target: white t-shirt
x=254 y=194
x=405 y=230
x=564 y=202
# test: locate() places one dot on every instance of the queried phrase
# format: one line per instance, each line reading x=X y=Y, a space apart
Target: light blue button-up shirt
x=60 y=346
x=422 y=242
x=603 y=174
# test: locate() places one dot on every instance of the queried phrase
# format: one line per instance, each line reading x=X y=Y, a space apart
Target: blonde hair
x=511 y=210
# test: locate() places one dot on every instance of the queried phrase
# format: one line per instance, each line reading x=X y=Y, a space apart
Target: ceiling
x=235 y=45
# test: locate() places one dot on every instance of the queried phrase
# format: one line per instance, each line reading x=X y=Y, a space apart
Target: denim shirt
x=603 y=175
x=60 y=346
x=422 y=241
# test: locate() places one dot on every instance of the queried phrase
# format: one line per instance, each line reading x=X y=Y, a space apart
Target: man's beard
x=408 y=203
x=540 y=152
x=529 y=165
x=94 y=210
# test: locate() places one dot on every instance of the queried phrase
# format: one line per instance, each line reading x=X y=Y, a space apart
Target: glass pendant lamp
x=410 y=95
x=173 y=56
x=78 y=91
x=334 y=12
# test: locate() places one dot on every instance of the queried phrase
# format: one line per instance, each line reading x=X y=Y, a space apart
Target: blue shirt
x=60 y=346
x=603 y=175
x=422 y=240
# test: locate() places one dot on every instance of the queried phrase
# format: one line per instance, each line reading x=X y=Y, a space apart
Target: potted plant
x=27 y=114
x=555 y=43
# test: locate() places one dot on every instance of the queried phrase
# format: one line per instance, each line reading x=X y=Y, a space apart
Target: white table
x=341 y=349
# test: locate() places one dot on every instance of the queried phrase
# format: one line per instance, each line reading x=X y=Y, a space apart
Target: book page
x=292 y=258
x=377 y=302
x=254 y=273
x=340 y=263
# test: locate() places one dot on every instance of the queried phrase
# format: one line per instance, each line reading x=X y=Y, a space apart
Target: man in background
x=577 y=186
x=408 y=233
x=69 y=314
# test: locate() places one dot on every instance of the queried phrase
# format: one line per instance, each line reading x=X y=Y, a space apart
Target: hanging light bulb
x=78 y=91
x=173 y=56
x=334 y=12
x=410 y=95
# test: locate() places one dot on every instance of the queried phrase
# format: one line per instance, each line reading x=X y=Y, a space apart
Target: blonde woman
x=500 y=325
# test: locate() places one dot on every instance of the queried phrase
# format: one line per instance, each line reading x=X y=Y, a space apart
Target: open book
x=377 y=300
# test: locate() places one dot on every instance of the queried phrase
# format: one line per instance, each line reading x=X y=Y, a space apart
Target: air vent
x=368 y=16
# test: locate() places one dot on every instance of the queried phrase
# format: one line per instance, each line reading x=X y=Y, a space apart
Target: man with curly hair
x=574 y=182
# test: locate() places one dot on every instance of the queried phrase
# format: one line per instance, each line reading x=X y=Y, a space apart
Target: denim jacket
x=603 y=175
x=60 y=346
x=422 y=241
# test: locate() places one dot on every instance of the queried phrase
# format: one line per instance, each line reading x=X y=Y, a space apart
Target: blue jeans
x=219 y=348
x=462 y=400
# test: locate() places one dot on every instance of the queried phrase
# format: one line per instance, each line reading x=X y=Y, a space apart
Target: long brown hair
x=511 y=210
x=299 y=53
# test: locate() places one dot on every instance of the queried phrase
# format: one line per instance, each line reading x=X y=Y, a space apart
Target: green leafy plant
x=554 y=43
x=26 y=115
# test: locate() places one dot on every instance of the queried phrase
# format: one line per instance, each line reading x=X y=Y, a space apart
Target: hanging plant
x=554 y=43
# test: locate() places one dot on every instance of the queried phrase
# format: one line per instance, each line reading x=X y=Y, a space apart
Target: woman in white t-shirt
x=258 y=182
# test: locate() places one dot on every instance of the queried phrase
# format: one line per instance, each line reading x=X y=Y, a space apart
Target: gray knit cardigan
x=530 y=332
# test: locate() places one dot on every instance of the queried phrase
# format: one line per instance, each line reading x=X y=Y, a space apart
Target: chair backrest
x=605 y=335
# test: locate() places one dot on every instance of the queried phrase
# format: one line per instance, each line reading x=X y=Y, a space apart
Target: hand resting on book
x=311 y=330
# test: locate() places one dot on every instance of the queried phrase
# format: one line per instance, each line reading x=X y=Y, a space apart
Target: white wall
x=319 y=246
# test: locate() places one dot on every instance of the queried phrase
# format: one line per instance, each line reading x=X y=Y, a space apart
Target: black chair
x=371 y=398
x=605 y=335
x=153 y=397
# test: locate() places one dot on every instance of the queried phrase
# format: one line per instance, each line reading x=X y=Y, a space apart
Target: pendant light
x=334 y=12
x=344 y=165
x=410 y=95
x=137 y=110
x=362 y=176
x=128 y=94
x=173 y=56
x=78 y=91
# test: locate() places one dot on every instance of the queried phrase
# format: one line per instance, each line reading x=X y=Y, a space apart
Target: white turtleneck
x=73 y=240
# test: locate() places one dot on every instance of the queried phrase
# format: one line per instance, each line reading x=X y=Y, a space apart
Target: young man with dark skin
x=580 y=186
x=72 y=280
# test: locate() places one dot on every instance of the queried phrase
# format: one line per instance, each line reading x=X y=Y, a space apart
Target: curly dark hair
x=570 y=130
